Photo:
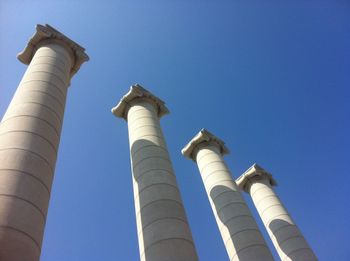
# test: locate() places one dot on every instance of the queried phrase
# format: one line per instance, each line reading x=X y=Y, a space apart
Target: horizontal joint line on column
x=263 y=187
x=134 y=111
x=203 y=156
x=287 y=239
x=210 y=163
x=30 y=70
x=149 y=135
x=27 y=201
x=46 y=93
x=45 y=52
x=53 y=65
x=152 y=145
x=297 y=250
x=254 y=245
x=157 y=200
x=56 y=51
x=280 y=228
x=49 y=56
x=219 y=182
x=29 y=174
x=240 y=231
x=155 y=184
x=160 y=219
x=146 y=125
x=151 y=157
x=45 y=106
x=32 y=133
x=260 y=200
x=24 y=233
x=168 y=171
x=213 y=172
x=50 y=83
x=224 y=192
x=32 y=116
x=166 y=239
x=32 y=152
x=267 y=224
x=135 y=120
x=234 y=217
x=59 y=78
x=274 y=205
x=229 y=204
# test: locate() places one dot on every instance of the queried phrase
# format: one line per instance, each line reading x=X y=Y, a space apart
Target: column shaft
x=285 y=235
x=162 y=226
x=29 y=138
x=239 y=231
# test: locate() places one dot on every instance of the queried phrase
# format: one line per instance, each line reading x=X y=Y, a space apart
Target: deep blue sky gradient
x=268 y=77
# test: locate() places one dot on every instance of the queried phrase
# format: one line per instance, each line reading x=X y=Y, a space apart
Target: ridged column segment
x=238 y=229
x=162 y=226
x=285 y=235
x=29 y=139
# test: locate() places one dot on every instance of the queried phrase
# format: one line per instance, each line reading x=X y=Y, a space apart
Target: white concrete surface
x=285 y=235
x=29 y=138
x=163 y=230
x=239 y=231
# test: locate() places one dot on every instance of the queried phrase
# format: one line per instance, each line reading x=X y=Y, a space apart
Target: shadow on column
x=165 y=234
x=290 y=240
x=247 y=241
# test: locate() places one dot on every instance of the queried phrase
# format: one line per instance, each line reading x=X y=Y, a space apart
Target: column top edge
x=254 y=171
x=137 y=91
x=203 y=136
x=47 y=32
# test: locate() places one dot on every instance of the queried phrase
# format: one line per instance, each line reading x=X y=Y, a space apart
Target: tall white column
x=29 y=138
x=239 y=231
x=285 y=235
x=163 y=230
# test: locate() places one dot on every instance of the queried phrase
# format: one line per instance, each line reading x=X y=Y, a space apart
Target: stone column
x=285 y=235
x=239 y=231
x=163 y=230
x=29 y=138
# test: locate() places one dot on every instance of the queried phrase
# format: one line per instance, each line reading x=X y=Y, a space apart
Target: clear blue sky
x=269 y=78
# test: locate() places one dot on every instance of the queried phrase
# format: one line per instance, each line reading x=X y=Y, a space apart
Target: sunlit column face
x=239 y=231
x=29 y=139
x=163 y=231
x=285 y=235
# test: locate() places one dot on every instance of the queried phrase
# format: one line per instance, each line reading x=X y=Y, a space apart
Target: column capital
x=202 y=139
x=46 y=33
x=252 y=174
x=138 y=92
